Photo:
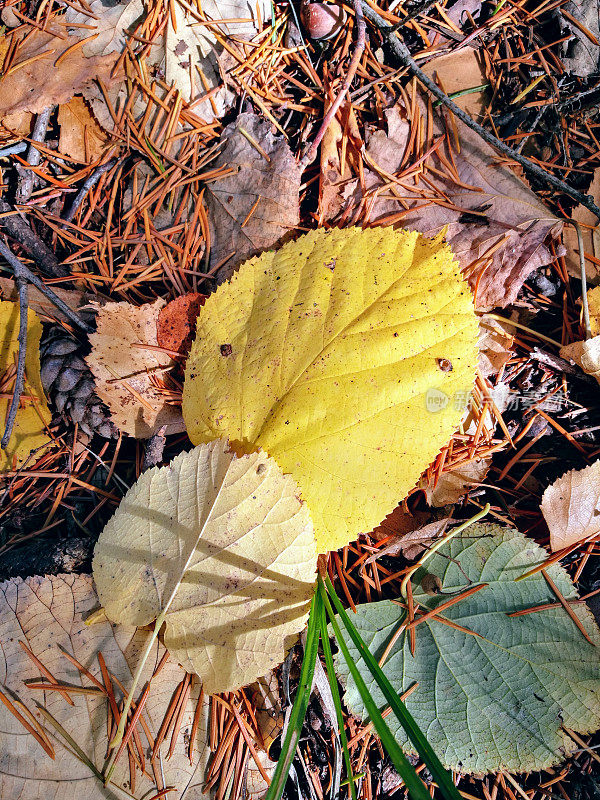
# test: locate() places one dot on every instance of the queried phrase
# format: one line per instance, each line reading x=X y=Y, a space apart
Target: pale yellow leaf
x=29 y=432
x=591 y=237
x=331 y=354
x=571 y=506
x=585 y=354
x=48 y=614
x=226 y=548
x=126 y=363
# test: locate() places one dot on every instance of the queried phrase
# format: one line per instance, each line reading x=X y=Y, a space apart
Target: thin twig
x=582 y=272
x=20 y=377
x=89 y=183
x=352 y=67
x=17 y=227
x=34 y=156
x=20 y=269
x=401 y=52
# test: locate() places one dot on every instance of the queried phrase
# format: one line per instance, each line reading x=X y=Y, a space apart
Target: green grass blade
x=416 y=787
x=330 y=670
x=300 y=706
x=440 y=775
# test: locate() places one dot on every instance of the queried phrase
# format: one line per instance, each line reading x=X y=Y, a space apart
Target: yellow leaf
x=222 y=549
x=29 y=432
x=343 y=355
x=593 y=297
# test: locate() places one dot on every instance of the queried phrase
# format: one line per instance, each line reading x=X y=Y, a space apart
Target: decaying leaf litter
x=146 y=190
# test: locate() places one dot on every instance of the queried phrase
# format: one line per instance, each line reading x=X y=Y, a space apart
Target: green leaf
x=497 y=699
x=415 y=734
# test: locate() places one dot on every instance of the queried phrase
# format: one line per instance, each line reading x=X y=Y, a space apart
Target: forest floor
x=133 y=172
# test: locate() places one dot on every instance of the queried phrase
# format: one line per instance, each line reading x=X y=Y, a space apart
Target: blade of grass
x=73 y=746
x=440 y=775
x=330 y=671
x=416 y=787
x=300 y=706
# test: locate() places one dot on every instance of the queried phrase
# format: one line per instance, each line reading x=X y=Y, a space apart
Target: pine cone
x=69 y=384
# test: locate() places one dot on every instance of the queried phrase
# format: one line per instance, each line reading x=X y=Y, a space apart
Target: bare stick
x=33 y=156
x=88 y=184
x=20 y=269
x=352 y=67
x=20 y=379
x=401 y=52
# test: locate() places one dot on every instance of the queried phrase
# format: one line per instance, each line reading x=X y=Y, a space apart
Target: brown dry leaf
x=47 y=614
x=409 y=535
x=459 y=71
x=81 y=138
x=579 y=54
x=177 y=322
x=39 y=303
x=334 y=179
x=453 y=484
x=109 y=24
x=585 y=354
x=126 y=373
x=495 y=345
x=17 y=125
x=256 y=786
x=270 y=186
x=267 y=708
x=504 y=213
x=43 y=79
x=270 y=718
x=571 y=506
x=591 y=237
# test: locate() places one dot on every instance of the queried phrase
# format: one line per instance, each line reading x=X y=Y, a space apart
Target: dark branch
x=400 y=51
x=20 y=269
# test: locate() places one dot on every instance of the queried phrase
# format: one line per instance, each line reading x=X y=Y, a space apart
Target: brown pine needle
x=46 y=672
x=37 y=733
x=410 y=618
x=131 y=726
x=248 y=738
x=179 y=711
x=443 y=606
x=62 y=687
x=567 y=607
x=168 y=719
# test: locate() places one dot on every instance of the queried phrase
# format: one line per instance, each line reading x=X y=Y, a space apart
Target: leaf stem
x=118 y=737
x=450 y=535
